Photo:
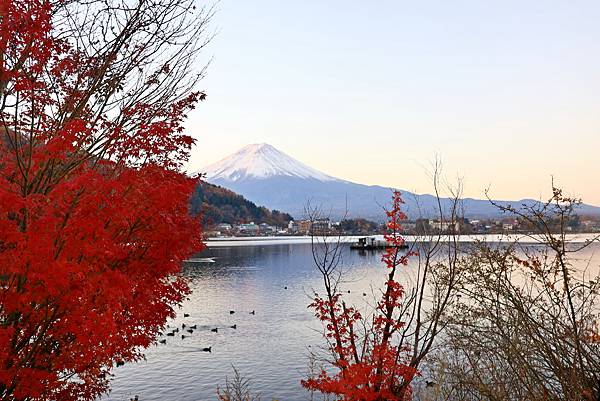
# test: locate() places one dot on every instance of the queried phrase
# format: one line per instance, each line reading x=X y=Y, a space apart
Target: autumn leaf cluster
x=94 y=219
x=369 y=363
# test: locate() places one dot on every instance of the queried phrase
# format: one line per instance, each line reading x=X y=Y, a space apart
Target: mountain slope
x=261 y=161
x=269 y=177
x=220 y=205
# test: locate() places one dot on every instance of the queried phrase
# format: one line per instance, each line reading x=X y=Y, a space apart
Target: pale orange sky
x=507 y=95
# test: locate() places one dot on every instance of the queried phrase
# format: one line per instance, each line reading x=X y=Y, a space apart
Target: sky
x=506 y=93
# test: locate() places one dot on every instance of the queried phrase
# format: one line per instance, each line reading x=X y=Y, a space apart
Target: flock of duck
x=190 y=329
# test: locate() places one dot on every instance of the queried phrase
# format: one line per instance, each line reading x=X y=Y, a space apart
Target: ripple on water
x=269 y=347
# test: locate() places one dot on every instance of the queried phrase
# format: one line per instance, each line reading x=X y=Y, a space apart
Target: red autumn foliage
x=369 y=364
x=94 y=218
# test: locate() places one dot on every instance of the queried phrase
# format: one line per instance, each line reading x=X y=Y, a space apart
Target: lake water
x=271 y=346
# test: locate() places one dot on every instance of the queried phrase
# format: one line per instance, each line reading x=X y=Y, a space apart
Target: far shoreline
x=215 y=242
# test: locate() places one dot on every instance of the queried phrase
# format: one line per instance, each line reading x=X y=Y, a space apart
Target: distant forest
x=220 y=205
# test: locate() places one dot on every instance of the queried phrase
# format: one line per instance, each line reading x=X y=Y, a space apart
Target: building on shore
x=248 y=229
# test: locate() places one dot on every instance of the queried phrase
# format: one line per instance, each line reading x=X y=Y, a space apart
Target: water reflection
x=270 y=346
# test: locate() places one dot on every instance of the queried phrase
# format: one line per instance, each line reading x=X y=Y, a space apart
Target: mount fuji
x=261 y=161
x=269 y=177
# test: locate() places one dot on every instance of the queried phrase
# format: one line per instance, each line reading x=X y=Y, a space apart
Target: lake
x=269 y=347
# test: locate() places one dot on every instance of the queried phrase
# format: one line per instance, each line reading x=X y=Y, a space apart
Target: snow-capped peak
x=260 y=160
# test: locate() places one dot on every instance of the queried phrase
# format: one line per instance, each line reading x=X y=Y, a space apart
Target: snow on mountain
x=261 y=161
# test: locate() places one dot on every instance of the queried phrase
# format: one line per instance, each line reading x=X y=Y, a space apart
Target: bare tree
x=527 y=324
x=237 y=389
x=327 y=257
x=432 y=278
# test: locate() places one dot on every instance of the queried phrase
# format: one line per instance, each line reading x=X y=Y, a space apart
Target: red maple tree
x=369 y=362
x=94 y=218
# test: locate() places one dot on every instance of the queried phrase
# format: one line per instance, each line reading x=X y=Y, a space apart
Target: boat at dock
x=372 y=243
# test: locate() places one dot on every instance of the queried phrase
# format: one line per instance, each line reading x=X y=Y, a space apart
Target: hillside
x=219 y=205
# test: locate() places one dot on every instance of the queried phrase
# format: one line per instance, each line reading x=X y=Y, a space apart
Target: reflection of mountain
x=220 y=205
x=269 y=177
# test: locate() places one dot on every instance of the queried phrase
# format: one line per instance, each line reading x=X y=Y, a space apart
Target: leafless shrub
x=237 y=389
x=432 y=279
x=526 y=327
